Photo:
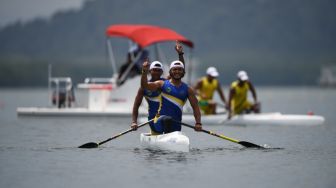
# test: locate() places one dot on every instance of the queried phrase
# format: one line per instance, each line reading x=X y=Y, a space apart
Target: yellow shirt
x=239 y=101
x=207 y=89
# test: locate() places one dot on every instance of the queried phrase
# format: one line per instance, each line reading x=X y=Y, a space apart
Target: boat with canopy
x=105 y=96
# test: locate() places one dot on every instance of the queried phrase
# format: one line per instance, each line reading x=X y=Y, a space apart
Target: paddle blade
x=250 y=145
x=89 y=145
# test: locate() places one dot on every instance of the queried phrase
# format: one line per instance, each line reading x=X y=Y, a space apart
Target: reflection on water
x=155 y=155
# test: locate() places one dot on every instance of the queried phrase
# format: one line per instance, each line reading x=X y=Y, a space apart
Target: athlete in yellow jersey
x=238 y=102
x=205 y=89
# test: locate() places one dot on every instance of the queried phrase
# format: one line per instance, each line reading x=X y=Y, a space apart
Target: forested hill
x=281 y=42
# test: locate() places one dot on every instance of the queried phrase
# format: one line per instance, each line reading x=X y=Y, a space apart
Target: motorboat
x=107 y=96
x=99 y=100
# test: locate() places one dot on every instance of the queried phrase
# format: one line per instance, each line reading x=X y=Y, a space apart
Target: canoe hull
x=175 y=141
x=276 y=119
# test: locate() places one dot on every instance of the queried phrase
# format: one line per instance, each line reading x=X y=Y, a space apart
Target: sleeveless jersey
x=239 y=100
x=153 y=99
x=172 y=100
x=208 y=88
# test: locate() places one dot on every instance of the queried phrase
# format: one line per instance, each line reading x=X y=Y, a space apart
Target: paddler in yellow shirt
x=238 y=102
x=205 y=89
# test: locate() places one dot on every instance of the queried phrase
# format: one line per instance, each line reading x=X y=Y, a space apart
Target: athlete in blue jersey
x=174 y=94
x=152 y=97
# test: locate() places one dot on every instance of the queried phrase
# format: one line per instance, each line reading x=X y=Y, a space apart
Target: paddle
x=243 y=143
x=95 y=145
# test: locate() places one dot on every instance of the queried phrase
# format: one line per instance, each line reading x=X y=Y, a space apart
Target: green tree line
x=277 y=42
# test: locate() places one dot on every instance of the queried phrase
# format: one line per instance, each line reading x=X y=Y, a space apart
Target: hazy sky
x=25 y=10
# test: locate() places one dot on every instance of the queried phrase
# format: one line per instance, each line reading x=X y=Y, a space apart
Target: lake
x=42 y=151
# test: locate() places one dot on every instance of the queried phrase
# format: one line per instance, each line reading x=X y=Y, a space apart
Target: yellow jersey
x=208 y=89
x=239 y=101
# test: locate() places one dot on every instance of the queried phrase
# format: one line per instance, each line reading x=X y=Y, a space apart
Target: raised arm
x=153 y=86
x=194 y=104
x=179 y=50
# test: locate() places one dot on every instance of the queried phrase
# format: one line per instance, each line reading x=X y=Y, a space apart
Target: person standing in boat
x=205 y=89
x=152 y=97
x=132 y=67
x=238 y=102
x=174 y=94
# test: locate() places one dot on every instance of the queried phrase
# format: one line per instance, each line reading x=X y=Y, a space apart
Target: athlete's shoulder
x=204 y=78
x=185 y=84
x=234 y=84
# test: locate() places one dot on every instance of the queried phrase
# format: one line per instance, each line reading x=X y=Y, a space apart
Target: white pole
x=190 y=67
x=57 y=93
x=49 y=85
x=112 y=58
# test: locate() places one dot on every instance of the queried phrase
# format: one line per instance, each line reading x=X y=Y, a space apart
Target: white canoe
x=175 y=141
x=259 y=119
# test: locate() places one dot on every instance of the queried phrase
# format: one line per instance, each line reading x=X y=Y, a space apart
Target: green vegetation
x=278 y=42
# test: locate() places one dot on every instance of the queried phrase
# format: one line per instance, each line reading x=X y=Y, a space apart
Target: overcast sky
x=26 y=10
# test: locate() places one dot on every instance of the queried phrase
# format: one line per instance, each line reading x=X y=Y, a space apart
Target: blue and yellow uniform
x=153 y=99
x=173 y=99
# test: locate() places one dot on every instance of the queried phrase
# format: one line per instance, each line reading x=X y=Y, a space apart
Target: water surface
x=42 y=151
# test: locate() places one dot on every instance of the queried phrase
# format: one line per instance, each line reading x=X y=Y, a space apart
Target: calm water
x=42 y=152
